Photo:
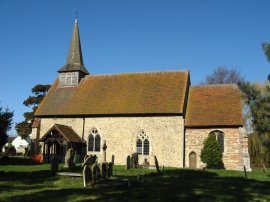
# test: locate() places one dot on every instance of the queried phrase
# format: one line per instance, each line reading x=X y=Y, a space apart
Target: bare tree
x=223 y=75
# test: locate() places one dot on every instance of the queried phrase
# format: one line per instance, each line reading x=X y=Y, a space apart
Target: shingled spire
x=74 y=64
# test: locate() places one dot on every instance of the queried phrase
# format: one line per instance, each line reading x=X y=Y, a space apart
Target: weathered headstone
x=157 y=166
x=104 y=170
x=84 y=159
x=95 y=172
x=69 y=159
x=86 y=175
x=128 y=163
x=89 y=160
x=110 y=169
x=54 y=165
x=134 y=160
x=112 y=159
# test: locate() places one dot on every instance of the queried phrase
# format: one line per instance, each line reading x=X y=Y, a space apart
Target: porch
x=58 y=140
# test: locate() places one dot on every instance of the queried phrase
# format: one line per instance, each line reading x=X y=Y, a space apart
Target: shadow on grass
x=173 y=185
x=5 y=160
x=27 y=177
x=77 y=169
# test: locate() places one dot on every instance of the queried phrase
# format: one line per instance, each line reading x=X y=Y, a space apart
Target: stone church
x=151 y=113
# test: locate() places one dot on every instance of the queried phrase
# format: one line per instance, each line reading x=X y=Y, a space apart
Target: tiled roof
x=66 y=131
x=116 y=94
x=214 y=105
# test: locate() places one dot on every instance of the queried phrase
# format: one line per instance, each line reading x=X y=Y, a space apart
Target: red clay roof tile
x=128 y=93
x=214 y=105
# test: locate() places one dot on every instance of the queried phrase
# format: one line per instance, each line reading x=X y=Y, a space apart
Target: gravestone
x=128 y=163
x=89 y=160
x=86 y=175
x=69 y=159
x=84 y=159
x=134 y=160
x=54 y=165
x=157 y=166
x=95 y=172
x=112 y=159
x=104 y=170
x=110 y=169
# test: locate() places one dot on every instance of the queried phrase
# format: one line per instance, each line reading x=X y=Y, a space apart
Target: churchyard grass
x=35 y=183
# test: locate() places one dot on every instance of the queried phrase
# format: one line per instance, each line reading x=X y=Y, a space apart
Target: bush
x=258 y=148
x=10 y=150
x=211 y=153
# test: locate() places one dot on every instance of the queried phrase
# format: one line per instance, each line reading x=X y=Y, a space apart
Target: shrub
x=211 y=153
x=10 y=150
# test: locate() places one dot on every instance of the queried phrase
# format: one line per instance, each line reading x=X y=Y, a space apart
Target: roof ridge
x=215 y=85
x=148 y=72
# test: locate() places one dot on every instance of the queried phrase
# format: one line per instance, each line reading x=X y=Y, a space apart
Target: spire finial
x=76 y=16
x=74 y=59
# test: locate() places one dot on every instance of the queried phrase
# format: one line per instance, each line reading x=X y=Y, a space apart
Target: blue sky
x=128 y=36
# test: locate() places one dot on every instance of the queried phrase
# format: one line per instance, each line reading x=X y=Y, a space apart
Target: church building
x=151 y=113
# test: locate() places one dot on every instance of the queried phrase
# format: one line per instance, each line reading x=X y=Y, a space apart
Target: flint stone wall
x=166 y=136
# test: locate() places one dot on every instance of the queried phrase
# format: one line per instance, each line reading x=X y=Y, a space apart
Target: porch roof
x=66 y=132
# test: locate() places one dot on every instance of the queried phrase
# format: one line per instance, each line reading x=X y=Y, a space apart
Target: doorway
x=192 y=160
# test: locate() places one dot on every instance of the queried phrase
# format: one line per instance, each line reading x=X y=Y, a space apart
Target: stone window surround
x=142 y=136
x=224 y=142
x=97 y=133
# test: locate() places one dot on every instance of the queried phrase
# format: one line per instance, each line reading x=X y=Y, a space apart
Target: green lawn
x=35 y=183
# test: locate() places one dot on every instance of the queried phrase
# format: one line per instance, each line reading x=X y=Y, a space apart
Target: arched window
x=94 y=141
x=91 y=143
x=142 y=144
x=219 y=135
x=146 y=147
x=97 y=142
x=139 y=146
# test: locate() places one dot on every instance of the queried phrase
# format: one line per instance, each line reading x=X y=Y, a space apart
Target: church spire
x=74 y=59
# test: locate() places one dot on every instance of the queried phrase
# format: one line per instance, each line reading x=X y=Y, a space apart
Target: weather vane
x=76 y=14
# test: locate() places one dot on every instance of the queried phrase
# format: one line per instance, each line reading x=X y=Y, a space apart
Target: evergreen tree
x=24 y=128
x=258 y=100
x=266 y=49
x=211 y=153
x=5 y=125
